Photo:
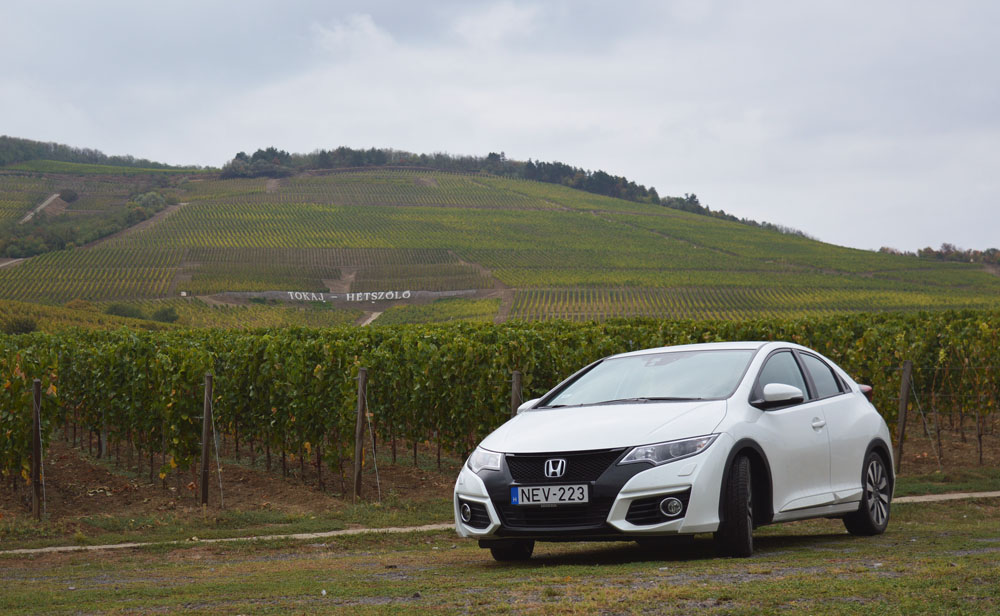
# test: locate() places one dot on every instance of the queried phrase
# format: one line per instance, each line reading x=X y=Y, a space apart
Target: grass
x=976 y=479
x=110 y=528
x=934 y=559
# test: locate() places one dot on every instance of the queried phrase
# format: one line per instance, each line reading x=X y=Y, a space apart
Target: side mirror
x=779 y=394
x=527 y=405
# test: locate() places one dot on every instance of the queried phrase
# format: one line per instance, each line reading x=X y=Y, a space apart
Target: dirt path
x=211 y=300
x=937 y=498
x=395 y=530
x=272 y=185
x=149 y=222
x=368 y=318
x=41 y=207
x=506 y=304
x=9 y=262
x=479 y=268
x=343 y=284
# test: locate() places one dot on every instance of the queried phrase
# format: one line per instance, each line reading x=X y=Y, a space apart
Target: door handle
x=817 y=423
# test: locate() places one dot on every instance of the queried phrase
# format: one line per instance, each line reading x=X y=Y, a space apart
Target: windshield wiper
x=645 y=399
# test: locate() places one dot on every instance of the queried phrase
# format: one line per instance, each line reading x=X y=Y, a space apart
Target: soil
x=77 y=486
x=919 y=456
x=343 y=284
x=55 y=207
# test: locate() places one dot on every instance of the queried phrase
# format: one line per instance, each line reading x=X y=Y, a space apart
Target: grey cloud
x=816 y=115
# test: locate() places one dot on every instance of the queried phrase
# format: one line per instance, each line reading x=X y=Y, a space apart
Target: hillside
x=484 y=247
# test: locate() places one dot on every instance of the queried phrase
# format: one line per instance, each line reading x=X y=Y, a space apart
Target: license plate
x=548 y=495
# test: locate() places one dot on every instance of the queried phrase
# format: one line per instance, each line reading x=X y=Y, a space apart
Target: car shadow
x=702 y=548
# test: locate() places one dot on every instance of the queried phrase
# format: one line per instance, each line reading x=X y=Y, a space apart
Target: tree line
x=950 y=252
x=15 y=150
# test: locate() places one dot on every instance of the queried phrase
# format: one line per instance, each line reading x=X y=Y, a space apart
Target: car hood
x=605 y=427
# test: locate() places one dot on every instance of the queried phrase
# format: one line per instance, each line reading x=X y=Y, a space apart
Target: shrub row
x=294 y=389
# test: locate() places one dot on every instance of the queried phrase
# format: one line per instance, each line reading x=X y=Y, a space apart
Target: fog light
x=671 y=507
x=466 y=511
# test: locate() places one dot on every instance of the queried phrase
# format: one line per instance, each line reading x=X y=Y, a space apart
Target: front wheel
x=872 y=516
x=735 y=534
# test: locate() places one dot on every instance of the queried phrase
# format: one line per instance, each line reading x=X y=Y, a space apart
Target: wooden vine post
x=206 y=438
x=359 y=430
x=515 y=392
x=904 y=401
x=36 y=449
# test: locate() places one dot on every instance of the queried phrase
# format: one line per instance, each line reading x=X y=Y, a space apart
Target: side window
x=781 y=368
x=822 y=376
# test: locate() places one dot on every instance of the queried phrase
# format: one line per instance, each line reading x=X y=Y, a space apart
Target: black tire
x=872 y=516
x=735 y=534
x=513 y=550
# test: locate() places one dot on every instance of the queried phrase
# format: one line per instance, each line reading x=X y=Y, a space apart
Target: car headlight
x=484 y=459
x=661 y=453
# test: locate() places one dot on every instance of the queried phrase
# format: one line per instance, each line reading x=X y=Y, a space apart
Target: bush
x=18 y=325
x=68 y=195
x=152 y=201
x=79 y=304
x=124 y=310
x=166 y=314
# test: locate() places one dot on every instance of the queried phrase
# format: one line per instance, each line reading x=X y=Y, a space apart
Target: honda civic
x=676 y=441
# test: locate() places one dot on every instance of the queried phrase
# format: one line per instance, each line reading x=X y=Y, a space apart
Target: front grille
x=562 y=516
x=480 y=518
x=646 y=511
x=580 y=466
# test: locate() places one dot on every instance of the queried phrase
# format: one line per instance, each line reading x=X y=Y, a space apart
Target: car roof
x=704 y=346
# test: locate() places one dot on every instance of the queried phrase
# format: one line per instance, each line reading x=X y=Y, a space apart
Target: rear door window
x=826 y=382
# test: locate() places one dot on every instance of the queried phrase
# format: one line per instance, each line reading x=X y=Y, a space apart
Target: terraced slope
x=543 y=250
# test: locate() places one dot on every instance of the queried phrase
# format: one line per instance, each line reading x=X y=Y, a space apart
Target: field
x=53 y=166
x=935 y=557
x=544 y=250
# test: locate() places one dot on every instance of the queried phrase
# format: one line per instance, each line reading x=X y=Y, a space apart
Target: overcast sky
x=861 y=123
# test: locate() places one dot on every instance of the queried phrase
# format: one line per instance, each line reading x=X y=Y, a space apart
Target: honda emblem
x=554 y=468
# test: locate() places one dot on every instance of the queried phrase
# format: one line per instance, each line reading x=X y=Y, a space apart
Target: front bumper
x=623 y=502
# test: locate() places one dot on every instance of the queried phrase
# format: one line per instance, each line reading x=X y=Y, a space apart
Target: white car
x=675 y=441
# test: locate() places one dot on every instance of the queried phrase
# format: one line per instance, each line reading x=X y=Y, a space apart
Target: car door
x=844 y=414
x=794 y=438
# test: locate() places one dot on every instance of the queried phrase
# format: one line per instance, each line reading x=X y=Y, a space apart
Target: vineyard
x=558 y=252
x=53 y=166
x=291 y=393
x=442 y=310
x=19 y=195
x=722 y=302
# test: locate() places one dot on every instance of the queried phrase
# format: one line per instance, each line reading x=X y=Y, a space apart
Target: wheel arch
x=760 y=480
x=877 y=445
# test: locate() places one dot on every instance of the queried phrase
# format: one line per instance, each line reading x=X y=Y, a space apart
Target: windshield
x=677 y=375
